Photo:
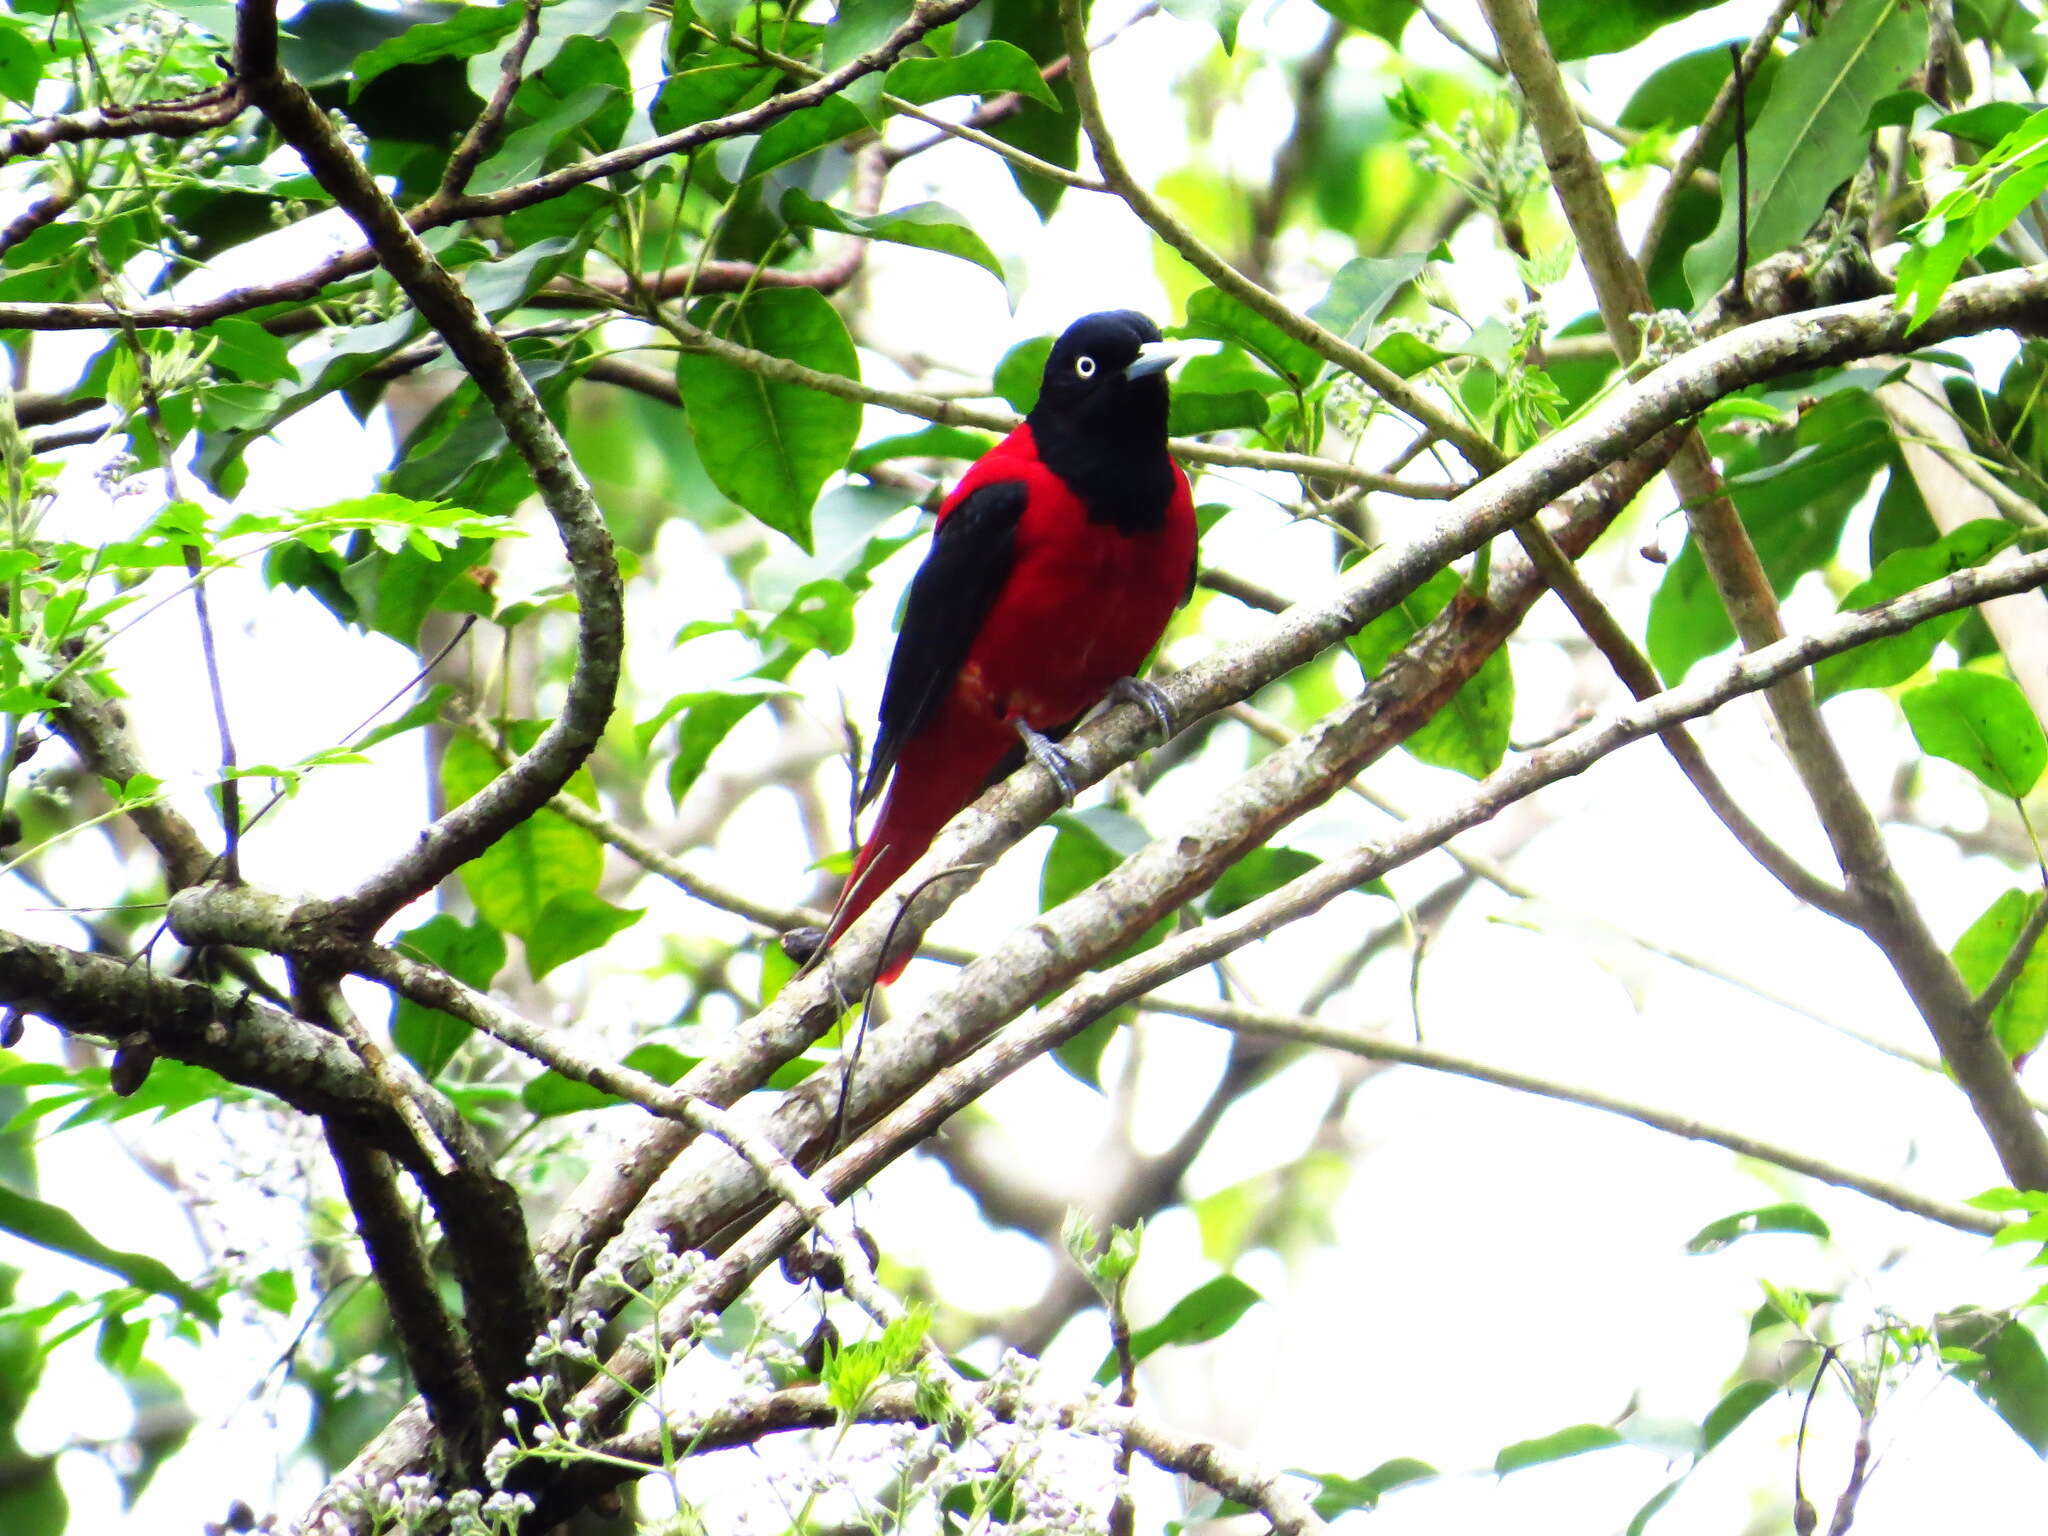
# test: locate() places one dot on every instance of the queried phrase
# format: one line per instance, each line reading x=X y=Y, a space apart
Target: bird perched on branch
x=1057 y=561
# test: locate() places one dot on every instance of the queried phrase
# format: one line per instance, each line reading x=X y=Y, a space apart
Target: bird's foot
x=1050 y=758
x=803 y=944
x=1135 y=690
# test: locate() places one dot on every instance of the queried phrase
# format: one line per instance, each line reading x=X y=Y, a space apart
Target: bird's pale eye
x=1085 y=366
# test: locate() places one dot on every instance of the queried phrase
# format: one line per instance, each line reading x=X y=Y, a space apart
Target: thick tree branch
x=243 y=1039
x=434 y=1352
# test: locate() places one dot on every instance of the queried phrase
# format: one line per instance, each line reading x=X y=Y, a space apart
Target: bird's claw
x=1149 y=697
x=1050 y=758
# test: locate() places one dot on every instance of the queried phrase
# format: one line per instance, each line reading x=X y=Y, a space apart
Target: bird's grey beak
x=1155 y=357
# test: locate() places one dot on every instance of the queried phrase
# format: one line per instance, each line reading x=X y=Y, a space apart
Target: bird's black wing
x=951 y=595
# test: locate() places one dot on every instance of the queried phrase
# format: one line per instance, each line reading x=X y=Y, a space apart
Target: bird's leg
x=1135 y=690
x=1048 y=757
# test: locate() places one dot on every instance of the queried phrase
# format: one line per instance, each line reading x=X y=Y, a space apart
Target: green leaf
x=246 y=350
x=20 y=69
x=1469 y=733
x=931 y=442
x=1794 y=506
x=1360 y=293
x=1987 y=123
x=552 y=1094
x=1575 y=1441
x=2020 y=1020
x=473 y=954
x=1021 y=371
x=1893 y=659
x=1578 y=29
x=1675 y=96
x=1259 y=872
x=984 y=70
x=717 y=82
x=1207 y=1312
x=574 y=923
x=514 y=879
x=801 y=132
x=2010 y=1373
x=1346 y=1493
x=472 y=29
x=1716 y=1235
x=1214 y=315
x=1737 y=1404
x=1086 y=846
x=927 y=226
x=1810 y=136
x=1384 y=19
x=275 y=1290
x=771 y=446
x=53 y=1227
x=1981 y=722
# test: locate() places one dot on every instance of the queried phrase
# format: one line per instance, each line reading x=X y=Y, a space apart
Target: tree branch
x=1884 y=908
x=434 y=1353
x=1309 y=1031
x=465 y=831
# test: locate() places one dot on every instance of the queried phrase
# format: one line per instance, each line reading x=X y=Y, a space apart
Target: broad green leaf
x=1736 y=1405
x=53 y=1227
x=1021 y=371
x=984 y=70
x=768 y=445
x=1575 y=1441
x=571 y=924
x=514 y=879
x=1716 y=1235
x=471 y=29
x=927 y=226
x=275 y=1290
x=1192 y=412
x=1223 y=15
x=1384 y=19
x=1470 y=733
x=246 y=350
x=1345 y=1493
x=20 y=69
x=711 y=84
x=1982 y=722
x=2010 y=1373
x=473 y=953
x=1578 y=29
x=1993 y=193
x=1810 y=136
x=1259 y=872
x=1987 y=123
x=1052 y=134
x=2021 y=1018
x=1207 y=1312
x=1213 y=315
x=1360 y=293
x=801 y=132
x=1893 y=659
x=932 y=442
x=552 y=1094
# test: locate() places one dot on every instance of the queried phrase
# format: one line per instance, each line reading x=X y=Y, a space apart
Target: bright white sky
x=1501 y=1267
